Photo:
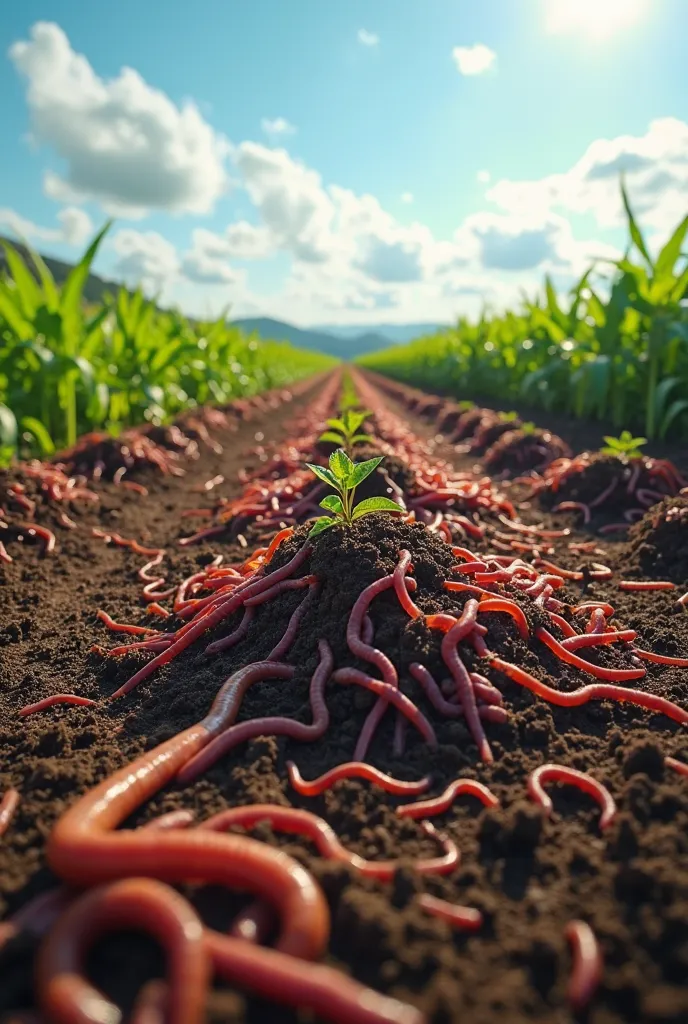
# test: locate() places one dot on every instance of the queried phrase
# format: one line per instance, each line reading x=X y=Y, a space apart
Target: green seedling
x=528 y=427
x=344 y=476
x=625 y=446
x=344 y=430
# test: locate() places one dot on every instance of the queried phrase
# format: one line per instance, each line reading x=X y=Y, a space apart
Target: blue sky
x=358 y=162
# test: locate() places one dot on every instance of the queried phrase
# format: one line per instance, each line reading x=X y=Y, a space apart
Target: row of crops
x=67 y=369
x=615 y=349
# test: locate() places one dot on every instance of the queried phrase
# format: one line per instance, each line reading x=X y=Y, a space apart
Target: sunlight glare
x=597 y=19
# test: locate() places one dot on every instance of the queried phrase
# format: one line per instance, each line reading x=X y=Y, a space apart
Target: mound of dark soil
x=658 y=543
x=519 y=451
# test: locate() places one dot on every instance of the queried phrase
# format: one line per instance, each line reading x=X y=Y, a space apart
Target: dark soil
x=519 y=451
x=659 y=542
x=528 y=875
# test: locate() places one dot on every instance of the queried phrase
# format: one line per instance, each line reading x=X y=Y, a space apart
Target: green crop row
x=615 y=350
x=66 y=370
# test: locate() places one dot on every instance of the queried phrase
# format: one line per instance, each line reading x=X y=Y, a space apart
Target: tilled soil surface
x=528 y=874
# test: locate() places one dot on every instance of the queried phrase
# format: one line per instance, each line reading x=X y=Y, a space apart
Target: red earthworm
x=130 y=485
x=144 y=571
x=4 y=556
x=465 y=918
x=211 y=531
x=304 y=823
x=320 y=989
x=449 y=708
x=152 y=645
x=560 y=773
x=648 y=497
x=587 y=546
x=597 y=622
x=83 y=849
x=566 y=574
x=661 y=659
x=150 y=593
x=683 y=600
x=234 y=638
x=464 y=553
x=283 y=646
x=65 y=521
x=590 y=606
x=565 y=626
x=635 y=474
x=593 y=691
x=603 y=495
x=493 y=576
x=484 y=689
x=367 y=630
x=276 y=541
x=574 y=506
x=392 y=695
x=442 y=803
x=233 y=735
x=678 y=766
x=279 y=588
x=399 y=577
x=119 y=627
x=186 y=636
x=646 y=585
x=587 y=964
x=254 y=923
x=358 y=770
x=46 y=535
x=600 y=572
x=441 y=621
x=8 y=806
x=593 y=639
x=509 y=607
x=469 y=588
x=459 y=672
x=56 y=698
x=470 y=567
x=157 y=609
x=64 y=992
x=172 y=819
x=614 y=674
x=471 y=528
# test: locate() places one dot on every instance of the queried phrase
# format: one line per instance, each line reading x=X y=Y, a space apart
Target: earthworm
x=172 y=819
x=647 y=497
x=593 y=691
x=4 y=556
x=254 y=923
x=597 y=622
x=471 y=528
x=274 y=591
x=470 y=567
x=465 y=918
x=239 y=633
x=64 y=992
x=131 y=485
x=593 y=639
x=574 y=506
x=603 y=495
x=143 y=572
x=453 y=585
x=442 y=621
x=157 y=609
x=565 y=626
x=613 y=674
x=232 y=735
x=646 y=585
x=566 y=574
x=560 y=773
x=65 y=521
x=464 y=553
x=591 y=606
x=441 y=803
x=633 y=480
x=399 y=577
x=56 y=698
x=149 y=592
x=614 y=528
x=8 y=807
x=587 y=964
x=118 y=627
x=392 y=695
x=304 y=823
x=367 y=630
x=683 y=600
x=211 y=531
x=283 y=646
x=449 y=708
x=679 y=766
x=661 y=659
x=459 y=672
x=358 y=770
x=276 y=541
x=46 y=535
x=504 y=604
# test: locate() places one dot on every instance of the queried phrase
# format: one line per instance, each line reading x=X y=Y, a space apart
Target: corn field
x=66 y=369
x=616 y=349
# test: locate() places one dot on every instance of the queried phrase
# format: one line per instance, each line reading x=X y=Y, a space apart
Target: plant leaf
x=664 y=267
x=375 y=505
x=337 y=425
x=363 y=470
x=341 y=465
x=330 y=435
x=325 y=475
x=636 y=233
x=323 y=523
x=8 y=427
x=361 y=438
x=39 y=431
x=333 y=503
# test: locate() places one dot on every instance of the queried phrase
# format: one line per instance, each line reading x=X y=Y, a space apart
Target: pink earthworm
x=645 y=585
x=236 y=636
x=574 y=506
x=119 y=627
x=678 y=766
x=613 y=674
x=587 y=964
x=275 y=726
x=452 y=709
x=8 y=807
x=56 y=698
x=46 y=535
x=635 y=475
x=144 y=571
x=459 y=672
x=565 y=626
x=172 y=819
x=603 y=495
x=4 y=556
x=560 y=773
x=660 y=659
x=304 y=823
x=442 y=803
x=597 y=623
x=358 y=770
x=574 y=643
x=465 y=918
x=279 y=588
x=399 y=578
x=591 y=606
x=399 y=742
x=367 y=630
x=282 y=648
x=392 y=695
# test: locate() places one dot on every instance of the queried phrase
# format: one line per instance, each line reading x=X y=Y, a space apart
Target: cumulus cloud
x=474 y=60
x=366 y=38
x=206 y=262
x=407 y=197
x=277 y=126
x=144 y=258
x=124 y=143
x=75 y=227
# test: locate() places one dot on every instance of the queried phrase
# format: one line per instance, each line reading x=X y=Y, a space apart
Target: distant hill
x=94 y=289
x=322 y=341
x=395 y=333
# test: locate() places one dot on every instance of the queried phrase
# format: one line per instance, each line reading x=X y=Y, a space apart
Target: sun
x=597 y=19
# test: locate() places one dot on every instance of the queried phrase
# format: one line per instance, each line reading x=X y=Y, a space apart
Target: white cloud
x=596 y=19
x=407 y=197
x=277 y=126
x=367 y=38
x=483 y=177
x=75 y=227
x=125 y=143
x=145 y=258
x=474 y=60
x=206 y=262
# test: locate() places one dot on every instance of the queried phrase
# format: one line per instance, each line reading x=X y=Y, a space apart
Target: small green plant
x=344 y=476
x=625 y=446
x=344 y=431
x=528 y=427
x=465 y=405
x=508 y=417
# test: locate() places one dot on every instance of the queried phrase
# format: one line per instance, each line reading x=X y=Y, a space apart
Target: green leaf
x=325 y=475
x=636 y=234
x=50 y=291
x=330 y=435
x=11 y=314
x=342 y=466
x=324 y=523
x=333 y=503
x=336 y=425
x=70 y=301
x=664 y=267
x=361 y=439
x=28 y=291
x=363 y=470
x=8 y=427
x=675 y=410
x=375 y=505
x=35 y=427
